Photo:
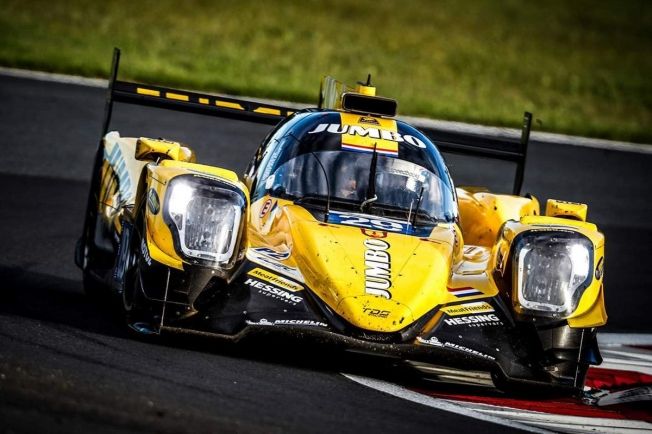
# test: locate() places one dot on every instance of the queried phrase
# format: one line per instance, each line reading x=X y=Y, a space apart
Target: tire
x=94 y=288
x=136 y=310
x=131 y=292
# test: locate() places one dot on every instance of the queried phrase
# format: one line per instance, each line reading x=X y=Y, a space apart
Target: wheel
x=138 y=315
x=94 y=289
x=131 y=292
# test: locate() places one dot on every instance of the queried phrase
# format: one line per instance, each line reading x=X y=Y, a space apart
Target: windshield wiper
x=371 y=196
x=328 y=189
x=416 y=210
x=412 y=215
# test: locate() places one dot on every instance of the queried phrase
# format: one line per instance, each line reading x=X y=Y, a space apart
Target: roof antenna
x=366 y=88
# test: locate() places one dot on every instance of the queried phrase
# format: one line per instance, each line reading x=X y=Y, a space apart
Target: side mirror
x=569 y=210
x=160 y=149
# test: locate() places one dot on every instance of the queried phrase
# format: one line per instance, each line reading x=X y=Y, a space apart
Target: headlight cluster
x=551 y=270
x=206 y=215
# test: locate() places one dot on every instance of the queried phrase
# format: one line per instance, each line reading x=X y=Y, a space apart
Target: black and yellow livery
x=346 y=226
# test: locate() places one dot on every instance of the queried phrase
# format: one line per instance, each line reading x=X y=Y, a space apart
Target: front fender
x=590 y=310
x=159 y=235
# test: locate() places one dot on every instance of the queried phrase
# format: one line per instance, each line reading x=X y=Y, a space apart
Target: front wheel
x=94 y=288
x=137 y=310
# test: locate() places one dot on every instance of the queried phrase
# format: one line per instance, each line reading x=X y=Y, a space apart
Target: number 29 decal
x=370 y=222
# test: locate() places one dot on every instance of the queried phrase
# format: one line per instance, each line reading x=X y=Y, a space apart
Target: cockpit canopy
x=355 y=163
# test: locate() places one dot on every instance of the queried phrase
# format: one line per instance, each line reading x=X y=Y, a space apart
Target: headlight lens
x=551 y=270
x=206 y=215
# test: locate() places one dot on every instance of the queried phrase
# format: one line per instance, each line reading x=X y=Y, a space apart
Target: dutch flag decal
x=464 y=292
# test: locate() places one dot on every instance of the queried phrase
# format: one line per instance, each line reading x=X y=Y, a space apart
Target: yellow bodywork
x=331 y=261
x=560 y=208
x=153 y=149
x=159 y=237
x=590 y=311
x=162 y=160
x=482 y=214
x=376 y=280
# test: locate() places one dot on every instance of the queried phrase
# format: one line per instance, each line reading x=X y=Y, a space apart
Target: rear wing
x=248 y=110
x=181 y=100
x=496 y=148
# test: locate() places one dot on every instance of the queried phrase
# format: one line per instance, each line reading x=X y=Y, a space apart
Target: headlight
x=551 y=271
x=206 y=215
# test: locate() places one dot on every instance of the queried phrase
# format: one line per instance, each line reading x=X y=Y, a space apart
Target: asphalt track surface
x=66 y=364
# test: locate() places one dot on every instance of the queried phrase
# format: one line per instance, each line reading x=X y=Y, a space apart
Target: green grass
x=583 y=67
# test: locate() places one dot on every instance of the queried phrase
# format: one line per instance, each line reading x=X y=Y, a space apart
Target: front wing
x=488 y=348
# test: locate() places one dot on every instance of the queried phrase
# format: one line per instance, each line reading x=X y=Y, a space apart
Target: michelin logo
x=437 y=343
x=301 y=322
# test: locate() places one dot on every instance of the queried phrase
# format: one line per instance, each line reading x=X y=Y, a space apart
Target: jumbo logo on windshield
x=372 y=133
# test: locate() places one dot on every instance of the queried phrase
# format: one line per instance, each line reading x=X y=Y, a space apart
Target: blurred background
x=583 y=67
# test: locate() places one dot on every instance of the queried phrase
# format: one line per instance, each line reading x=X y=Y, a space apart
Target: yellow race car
x=346 y=227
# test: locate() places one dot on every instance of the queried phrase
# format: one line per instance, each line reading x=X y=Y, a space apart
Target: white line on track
x=620 y=339
x=440 y=404
x=55 y=78
x=423 y=123
x=617 y=355
x=563 y=423
x=530 y=421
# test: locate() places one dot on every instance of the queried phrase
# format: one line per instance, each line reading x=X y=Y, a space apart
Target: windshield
x=400 y=189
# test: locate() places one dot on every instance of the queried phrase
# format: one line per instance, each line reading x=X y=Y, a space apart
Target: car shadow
x=54 y=299
x=61 y=301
